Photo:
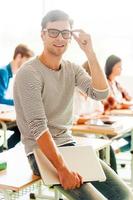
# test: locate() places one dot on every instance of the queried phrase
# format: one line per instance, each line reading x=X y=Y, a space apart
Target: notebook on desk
x=101 y=127
x=81 y=159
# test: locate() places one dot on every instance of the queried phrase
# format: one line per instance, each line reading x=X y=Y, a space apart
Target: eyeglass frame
x=59 y=31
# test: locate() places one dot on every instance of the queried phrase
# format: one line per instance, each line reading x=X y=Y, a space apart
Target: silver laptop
x=81 y=159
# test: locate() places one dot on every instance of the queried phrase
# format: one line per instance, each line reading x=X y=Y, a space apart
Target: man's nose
x=60 y=36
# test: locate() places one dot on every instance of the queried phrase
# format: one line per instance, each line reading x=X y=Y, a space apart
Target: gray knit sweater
x=44 y=100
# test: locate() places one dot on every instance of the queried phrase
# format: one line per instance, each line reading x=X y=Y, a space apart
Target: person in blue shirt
x=21 y=54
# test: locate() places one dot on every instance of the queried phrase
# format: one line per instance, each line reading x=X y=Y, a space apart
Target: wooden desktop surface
x=86 y=129
x=126 y=125
x=8 y=116
x=7 y=113
x=125 y=112
x=18 y=173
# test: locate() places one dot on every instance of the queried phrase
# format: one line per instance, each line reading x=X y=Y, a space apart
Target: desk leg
x=6 y=195
x=57 y=194
x=107 y=154
x=132 y=158
x=4 y=127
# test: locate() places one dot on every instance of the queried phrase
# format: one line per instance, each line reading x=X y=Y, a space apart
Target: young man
x=21 y=54
x=43 y=94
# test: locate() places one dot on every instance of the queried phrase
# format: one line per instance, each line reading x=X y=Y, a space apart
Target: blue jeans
x=112 y=189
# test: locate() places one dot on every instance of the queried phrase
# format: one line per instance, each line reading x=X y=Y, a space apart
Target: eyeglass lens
x=66 y=34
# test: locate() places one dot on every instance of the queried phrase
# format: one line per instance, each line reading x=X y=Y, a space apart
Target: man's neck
x=50 y=61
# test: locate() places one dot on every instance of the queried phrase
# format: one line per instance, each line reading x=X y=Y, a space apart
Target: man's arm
x=99 y=81
x=48 y=147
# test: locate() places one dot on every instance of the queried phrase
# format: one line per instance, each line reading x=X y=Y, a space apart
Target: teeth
x=59 y=45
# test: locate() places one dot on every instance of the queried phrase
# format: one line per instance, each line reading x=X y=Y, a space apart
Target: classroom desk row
x=18 y=174
x=126 y=122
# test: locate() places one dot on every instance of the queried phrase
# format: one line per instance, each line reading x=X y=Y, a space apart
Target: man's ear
x=42 y=35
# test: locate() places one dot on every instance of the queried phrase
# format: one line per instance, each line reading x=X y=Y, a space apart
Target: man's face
x=56 y=45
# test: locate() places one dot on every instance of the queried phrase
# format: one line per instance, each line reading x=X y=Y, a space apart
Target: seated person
x=45 y=119
x=86 y=109
x=7 y=73
x=119 y=97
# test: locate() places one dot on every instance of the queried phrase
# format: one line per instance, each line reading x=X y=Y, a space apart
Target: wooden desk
x=122 y=112
x=7 y=119
x=125 y=125
x=18 y=174
x=8 y=116
x=87 y=129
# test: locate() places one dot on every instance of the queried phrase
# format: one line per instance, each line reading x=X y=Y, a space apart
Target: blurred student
x=86 y=108
x=7 y=73
x=119 y=97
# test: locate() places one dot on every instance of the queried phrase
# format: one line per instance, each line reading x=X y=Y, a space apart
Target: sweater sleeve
x=28 y=101
x=84 y=83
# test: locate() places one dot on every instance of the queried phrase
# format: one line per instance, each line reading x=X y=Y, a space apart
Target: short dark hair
x=55 y=15
x=23 y=50
x=110 y=62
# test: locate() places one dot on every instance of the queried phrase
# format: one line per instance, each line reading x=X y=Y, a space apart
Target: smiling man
x=43 y=93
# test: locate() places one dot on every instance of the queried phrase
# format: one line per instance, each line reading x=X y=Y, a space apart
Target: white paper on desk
x=100 y=124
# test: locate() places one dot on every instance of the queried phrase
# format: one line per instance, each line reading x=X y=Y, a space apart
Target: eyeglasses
x=54 y=33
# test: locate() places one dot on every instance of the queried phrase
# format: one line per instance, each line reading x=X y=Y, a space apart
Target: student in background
x=43 y=96
x=118 y=97
x=21 y=54
x=86 y=108
x=7 y=73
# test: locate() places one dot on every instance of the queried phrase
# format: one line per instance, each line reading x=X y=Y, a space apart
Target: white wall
x=127 y=83
x=108 y=22
x=20 y=22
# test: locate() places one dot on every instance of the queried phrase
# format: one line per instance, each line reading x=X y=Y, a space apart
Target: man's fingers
x=81 y=178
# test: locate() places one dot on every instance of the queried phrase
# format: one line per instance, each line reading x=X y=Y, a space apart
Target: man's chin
x=59 y=52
